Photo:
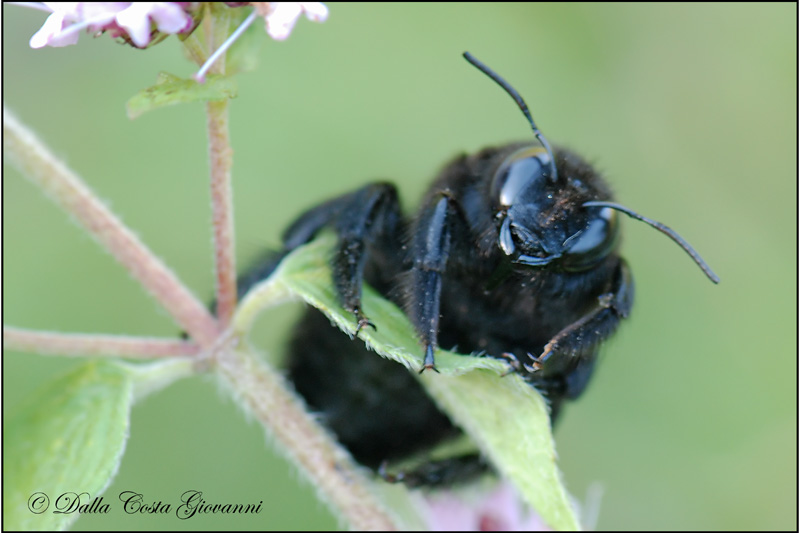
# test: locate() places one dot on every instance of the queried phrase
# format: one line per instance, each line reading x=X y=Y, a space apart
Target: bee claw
x=362 y=321
x=538 y=362
x=387 y=477
x=429 y=363
x=513 y=363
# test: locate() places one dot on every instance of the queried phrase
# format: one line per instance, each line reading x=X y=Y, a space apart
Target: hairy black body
x=376 y=407
x=513 y=253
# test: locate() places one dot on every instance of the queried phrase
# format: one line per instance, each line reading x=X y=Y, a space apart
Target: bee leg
x=567 y=361
x=439 y=473
x=430 y=247
x=366 y=216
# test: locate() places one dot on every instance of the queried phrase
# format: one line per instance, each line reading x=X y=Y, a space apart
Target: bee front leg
x=566 y=362
x=430 y=249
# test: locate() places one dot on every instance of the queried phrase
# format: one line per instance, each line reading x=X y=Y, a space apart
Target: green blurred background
x=691 y=110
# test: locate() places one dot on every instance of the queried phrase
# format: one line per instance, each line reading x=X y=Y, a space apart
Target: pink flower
x=168 y=17
x=280 y=17
x=501 y=509
x=136 y=22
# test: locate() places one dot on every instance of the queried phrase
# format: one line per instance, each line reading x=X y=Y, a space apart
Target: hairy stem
x=339 y=482
x=220 y=154
x=220 y=162
x=51 y=343
x=39 y=164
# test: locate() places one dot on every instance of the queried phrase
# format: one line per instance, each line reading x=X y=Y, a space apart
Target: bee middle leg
x=366 y=216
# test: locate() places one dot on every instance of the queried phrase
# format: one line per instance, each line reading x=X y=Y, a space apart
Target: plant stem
x=51 y=343
x=220 y=161
x=331 y=470
x=39 y=164
x=220 y=155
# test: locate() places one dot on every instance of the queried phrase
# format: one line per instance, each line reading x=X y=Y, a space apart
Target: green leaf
x=509 y=422
x=170 y=90
x=506 y=417
x=69 y=440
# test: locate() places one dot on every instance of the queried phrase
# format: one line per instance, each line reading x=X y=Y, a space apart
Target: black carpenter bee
x=512 y=254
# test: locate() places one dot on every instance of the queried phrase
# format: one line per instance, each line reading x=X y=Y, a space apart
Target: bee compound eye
x=522 y=177
x=592 y=244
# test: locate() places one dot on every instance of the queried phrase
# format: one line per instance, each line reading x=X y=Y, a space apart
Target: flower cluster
x=138 y=23
x=142 y=24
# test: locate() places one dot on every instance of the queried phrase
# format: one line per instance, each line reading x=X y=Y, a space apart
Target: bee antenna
x=522 y=105
x=663 y=229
